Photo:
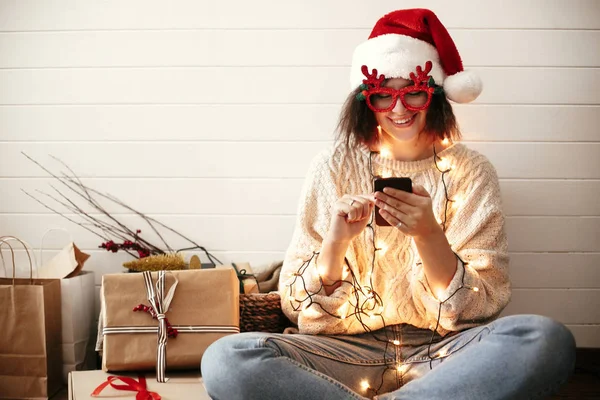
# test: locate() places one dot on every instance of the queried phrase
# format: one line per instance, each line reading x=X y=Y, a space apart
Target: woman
x=407 y=308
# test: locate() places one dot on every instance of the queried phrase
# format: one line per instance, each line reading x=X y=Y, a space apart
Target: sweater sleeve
x=480 y=289
x=303 y=298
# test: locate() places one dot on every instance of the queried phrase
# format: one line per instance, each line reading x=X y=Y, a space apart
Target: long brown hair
x=358 y=122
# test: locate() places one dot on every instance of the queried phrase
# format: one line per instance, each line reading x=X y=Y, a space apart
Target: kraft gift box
x=204 y=307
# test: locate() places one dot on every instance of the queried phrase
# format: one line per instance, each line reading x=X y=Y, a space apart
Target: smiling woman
x=406 y=309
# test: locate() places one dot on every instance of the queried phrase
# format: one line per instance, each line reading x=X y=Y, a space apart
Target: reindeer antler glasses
x=415 y=97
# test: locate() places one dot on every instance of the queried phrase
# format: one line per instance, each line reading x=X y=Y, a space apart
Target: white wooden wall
x=205 y=115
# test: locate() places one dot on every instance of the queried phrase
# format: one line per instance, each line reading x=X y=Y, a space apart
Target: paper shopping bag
x=78 y=323
x=77 y=304
x=30 y=353
x=66 y=264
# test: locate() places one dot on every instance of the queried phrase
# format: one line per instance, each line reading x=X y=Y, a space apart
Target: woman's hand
x=350 y=215
x=412 y=213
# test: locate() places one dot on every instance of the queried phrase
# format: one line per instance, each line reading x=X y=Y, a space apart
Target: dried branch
x=112 y=228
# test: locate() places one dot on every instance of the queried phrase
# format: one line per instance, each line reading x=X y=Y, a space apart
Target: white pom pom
x=463 y=87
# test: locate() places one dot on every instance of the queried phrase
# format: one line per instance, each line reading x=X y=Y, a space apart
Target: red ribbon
x=130 y=384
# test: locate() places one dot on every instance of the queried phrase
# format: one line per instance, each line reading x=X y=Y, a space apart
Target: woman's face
x=400 y=124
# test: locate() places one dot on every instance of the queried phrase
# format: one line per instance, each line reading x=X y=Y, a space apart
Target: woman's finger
x=356 y=208
x=347 y=208
x=365 y=207
x=420 y=190
x=362 y=207
x=369 y=197
x=368 y=201
x=342 y=207
x=391 y=205
x=405 y=197
x=393 y=220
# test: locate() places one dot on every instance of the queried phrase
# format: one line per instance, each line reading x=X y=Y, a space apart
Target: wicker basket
x=261 y=312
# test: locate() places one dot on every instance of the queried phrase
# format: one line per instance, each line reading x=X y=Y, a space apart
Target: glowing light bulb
x=444 y=164
x=385 y=152
x=321 y=270
x=310 y=311
x=365 y=385
x=396 y=342
x=402 y=368
x=439 y=293
x=343 y=310
x=475 y=289
x=458 y=201
x=381 y=247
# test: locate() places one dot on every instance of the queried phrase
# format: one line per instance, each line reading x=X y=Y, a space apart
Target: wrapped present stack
x=163 y=317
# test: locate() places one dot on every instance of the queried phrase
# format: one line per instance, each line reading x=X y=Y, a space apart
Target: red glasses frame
x=399 y=93
x=422 y=82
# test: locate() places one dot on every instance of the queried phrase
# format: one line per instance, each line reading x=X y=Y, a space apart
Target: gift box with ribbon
x=97 y=384
x=248 y=282
x=166 y=319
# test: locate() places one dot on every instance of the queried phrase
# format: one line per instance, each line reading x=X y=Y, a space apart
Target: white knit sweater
x=474 y=228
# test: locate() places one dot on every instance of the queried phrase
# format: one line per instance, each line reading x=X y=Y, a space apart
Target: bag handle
x=4 y=240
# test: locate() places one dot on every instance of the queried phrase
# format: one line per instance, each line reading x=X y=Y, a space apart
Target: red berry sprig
x=127 y=245
x=171 y=332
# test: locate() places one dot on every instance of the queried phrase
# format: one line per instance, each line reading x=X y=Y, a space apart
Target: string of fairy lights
x=364 y=303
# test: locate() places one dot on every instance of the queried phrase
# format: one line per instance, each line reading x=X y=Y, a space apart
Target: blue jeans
x=515 y=357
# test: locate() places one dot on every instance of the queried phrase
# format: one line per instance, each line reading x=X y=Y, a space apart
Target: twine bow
x=131 y=385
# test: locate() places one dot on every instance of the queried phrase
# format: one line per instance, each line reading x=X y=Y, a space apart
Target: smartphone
x=404 y=184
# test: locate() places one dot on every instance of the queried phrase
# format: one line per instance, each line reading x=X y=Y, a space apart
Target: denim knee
x=558 y=342
x=230 y=363
x=553 y=344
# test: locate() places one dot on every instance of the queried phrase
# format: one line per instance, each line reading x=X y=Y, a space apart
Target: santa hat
x=405 y=39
